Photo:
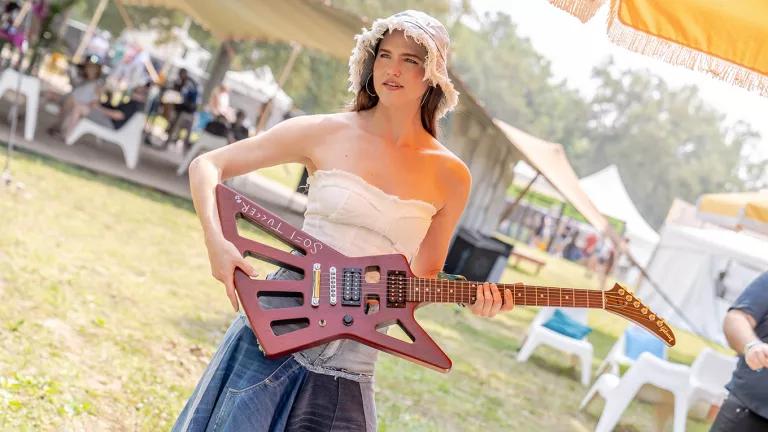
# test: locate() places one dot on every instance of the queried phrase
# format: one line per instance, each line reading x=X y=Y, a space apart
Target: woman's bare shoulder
x=452 y=166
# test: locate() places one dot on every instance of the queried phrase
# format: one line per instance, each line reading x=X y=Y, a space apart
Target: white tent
x=702 y=271
x=607 y=191
x=250 y=89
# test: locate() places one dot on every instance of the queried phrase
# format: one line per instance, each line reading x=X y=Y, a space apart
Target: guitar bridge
x=316 y=285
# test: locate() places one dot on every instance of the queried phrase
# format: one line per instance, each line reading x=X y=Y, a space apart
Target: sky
x=574 y=49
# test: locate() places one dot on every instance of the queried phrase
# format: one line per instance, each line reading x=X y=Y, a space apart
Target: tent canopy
x=606 y=189
x=310 y=23
x=550 y=160
x=735 y=210
x=717 y=265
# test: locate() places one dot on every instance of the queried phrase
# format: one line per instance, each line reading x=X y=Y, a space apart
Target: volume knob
x=348 y=320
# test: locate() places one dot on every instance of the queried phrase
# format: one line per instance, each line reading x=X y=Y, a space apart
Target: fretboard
x=448 y=291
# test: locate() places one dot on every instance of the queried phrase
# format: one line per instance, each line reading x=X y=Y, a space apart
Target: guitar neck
x=458 y=291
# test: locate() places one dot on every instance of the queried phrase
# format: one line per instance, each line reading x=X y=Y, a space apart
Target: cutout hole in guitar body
x=248 y=230
x=372 y=274
x=281 y=327
x=372 y=303
x=280 y=300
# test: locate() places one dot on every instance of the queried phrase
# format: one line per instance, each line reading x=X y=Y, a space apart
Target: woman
x=83 y=94
x=374 y=171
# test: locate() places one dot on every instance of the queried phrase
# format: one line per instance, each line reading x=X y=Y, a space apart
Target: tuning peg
x=644 y=310
x=651 y=317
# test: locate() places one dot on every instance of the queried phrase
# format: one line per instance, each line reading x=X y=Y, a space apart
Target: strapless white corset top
x=359 y=219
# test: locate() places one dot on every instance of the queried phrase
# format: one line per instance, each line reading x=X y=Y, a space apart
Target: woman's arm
x=430 y=259
x=286 y=142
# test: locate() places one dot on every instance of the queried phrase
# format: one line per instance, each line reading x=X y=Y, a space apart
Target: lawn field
x=109 y=316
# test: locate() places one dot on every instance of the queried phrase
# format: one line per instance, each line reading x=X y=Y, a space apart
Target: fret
x=549 y=296
x=560 y=292
x=444 y=289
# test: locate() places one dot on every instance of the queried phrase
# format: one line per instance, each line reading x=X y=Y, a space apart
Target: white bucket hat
x=427 y=32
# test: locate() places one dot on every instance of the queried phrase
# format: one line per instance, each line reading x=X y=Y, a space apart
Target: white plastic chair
x=617 y=356
x=205 y=143
x=540 y=335
x=710 y=372
x=30 y=88
x=648 y=369
x=704 y=380
x=127 y=137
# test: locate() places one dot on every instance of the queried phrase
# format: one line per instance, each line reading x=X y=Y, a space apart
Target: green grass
x=110 y=315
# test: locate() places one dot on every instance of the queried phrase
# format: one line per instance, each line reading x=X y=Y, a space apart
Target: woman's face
x=398 y=71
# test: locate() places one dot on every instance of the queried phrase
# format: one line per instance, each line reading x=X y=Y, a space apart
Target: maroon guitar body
x=337 y=298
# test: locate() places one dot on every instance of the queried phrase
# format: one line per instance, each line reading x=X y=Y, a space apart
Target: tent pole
x=556 y=229
x=89 y=31
x=283 y=78
x=508 y=211
x=124 y=14
x=523 y=218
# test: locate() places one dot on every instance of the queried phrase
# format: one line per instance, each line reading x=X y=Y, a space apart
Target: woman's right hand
x=224 y=258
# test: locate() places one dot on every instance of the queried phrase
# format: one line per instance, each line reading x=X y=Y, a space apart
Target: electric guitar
x=337 y=294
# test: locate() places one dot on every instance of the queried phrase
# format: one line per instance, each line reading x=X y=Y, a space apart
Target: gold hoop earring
x=426 y=95
x=366 y=86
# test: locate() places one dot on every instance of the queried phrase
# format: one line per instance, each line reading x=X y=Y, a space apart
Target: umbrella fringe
x=674 y=53
x=584 y=10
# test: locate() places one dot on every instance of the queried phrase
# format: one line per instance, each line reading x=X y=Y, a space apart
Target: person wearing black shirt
x=218 y=126
x=746 y=328
x=238 y=130
x=116 y=117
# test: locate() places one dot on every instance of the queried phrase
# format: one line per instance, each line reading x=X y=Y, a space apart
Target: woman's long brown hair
x=364 y=101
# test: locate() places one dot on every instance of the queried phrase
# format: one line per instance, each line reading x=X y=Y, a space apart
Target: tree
x=515 y=82
x=666 y=142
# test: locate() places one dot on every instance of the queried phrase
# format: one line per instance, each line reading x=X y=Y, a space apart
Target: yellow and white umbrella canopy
x=725 y=39
x=747 y=210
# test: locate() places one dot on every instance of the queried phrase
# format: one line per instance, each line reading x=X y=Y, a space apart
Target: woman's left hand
x=489 y=300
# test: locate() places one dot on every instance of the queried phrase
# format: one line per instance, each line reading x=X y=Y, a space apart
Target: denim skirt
x=242 y=390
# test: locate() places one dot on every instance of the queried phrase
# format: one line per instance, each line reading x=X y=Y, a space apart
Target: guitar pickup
x=316 y=285
x=351 y=287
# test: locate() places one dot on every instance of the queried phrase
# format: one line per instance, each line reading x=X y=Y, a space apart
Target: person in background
x=238 y=130
x=83 y=93
x=107 y=116
x=218 y=127
x=182 y=98
x=746 y=329
x=572 y=251
x=218 y=103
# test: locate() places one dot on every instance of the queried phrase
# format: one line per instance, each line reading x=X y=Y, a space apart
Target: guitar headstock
x=621 y=301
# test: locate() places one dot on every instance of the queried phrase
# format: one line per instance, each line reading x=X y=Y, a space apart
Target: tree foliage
x=667 y=142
